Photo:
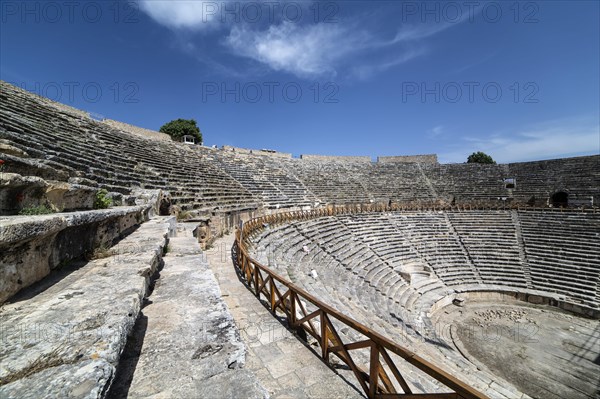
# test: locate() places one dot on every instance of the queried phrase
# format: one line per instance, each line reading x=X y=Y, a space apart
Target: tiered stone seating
x=412 y=239
x=32 y=247
x=468 y=182
x=487 y=253
x=281 y=250
x=399 y=182
x=490 y=238
x=563 y=253
x=415 y=259
x=332 y=182
x=291 y=251
x=344 y=182
x=63 y=142
x=579 y=176
x=266 y=178
x=115 y=159
x=435 y=242
x=64 y=337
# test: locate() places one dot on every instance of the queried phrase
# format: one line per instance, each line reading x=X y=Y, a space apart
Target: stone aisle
x=185 y=343
x=282 y=363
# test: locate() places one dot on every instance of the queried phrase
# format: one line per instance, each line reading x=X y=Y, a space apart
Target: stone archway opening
x=560 y=199
x=164 y=208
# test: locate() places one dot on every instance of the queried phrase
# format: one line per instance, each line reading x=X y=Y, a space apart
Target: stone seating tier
x=64 y=141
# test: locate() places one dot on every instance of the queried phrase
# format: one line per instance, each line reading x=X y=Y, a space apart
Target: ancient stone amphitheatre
x=232 y=273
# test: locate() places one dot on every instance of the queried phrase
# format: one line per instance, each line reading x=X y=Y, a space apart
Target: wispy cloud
x=183 y=14
x=305 y=51
x=553 y=139
x=421 y=31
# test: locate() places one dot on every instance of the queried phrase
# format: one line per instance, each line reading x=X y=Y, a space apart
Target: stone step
x=63 y=338
x=186 y=343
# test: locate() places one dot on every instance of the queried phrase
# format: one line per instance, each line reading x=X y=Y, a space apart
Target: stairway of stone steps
x=427 y=182
x=462 y=248
x=185 y=343
x=521 y=246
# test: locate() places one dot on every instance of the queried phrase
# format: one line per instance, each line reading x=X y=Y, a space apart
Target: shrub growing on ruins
x=181 y=127
x=183 y=215
x=480 y=157
x=102 y=200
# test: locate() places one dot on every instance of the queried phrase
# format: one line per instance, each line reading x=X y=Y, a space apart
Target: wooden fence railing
x=381 y=377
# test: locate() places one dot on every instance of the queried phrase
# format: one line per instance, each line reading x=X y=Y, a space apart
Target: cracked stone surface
x=284 y=365
x=186 y=343
x=64 y=338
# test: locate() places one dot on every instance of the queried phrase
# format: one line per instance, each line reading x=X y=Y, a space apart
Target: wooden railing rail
x=381 y=378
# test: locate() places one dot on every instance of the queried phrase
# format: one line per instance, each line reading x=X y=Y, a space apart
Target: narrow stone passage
x=285 y=366
x=185 y=344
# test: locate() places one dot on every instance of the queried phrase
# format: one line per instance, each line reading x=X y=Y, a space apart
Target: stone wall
x=31 y=247
x=151 y=134
x=336 y=158
x=271 y=153
x=427 y=158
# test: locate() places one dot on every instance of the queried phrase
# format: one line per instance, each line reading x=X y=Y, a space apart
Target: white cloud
x=435 y=131
x=305 y=50
x=566 y=138
x=188 y=14
x=302 y=50
x=323 y=48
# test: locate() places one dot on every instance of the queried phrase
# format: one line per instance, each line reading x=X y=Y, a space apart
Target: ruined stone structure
x=429 y=158
x=338 y=158
x=138 y=130
x=401 y=245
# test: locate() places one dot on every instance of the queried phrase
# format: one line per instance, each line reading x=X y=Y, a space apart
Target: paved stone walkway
x=283 y=364
x=185 y=344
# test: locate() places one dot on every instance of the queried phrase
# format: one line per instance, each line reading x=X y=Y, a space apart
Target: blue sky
x=518 y=80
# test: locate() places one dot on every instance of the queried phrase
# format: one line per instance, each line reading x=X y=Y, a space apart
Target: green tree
x=180 y=127
x=480 y=157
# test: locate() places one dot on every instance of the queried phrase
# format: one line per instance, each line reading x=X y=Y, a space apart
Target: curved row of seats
x=416 y=258
x=117 y=160
x=388 y=270
x=206 y=178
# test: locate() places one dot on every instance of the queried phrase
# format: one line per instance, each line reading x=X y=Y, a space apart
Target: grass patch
x=183 y=215
x=36 y=210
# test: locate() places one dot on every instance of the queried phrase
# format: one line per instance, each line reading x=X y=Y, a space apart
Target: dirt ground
x=543 y=351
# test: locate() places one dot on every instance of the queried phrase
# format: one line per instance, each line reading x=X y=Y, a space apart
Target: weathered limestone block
x=189 y=328
x=6 y=148
x=18 y=191
x=154 y=197
x=202 y=232
x=66 y=341
x=68 y=197
x=88 y=381
x=31 y=247
x=45 y=169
